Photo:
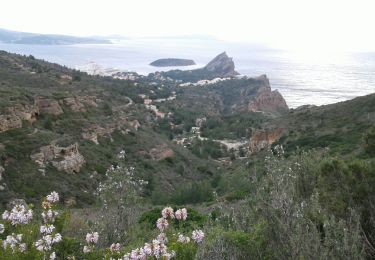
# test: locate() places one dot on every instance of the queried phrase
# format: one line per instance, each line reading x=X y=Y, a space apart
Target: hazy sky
x=298 y=24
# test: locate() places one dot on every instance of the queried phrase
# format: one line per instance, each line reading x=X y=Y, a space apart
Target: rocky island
x=172 y=62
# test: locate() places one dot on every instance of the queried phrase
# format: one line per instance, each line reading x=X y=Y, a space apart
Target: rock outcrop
x=221 y=65
x=48 y=106
x=9 y=122
x=66 y=159
x=15 y=115
x=78 y=104
x=267 y=100
x=263 y=138
x=27 y=112
x=161 y=152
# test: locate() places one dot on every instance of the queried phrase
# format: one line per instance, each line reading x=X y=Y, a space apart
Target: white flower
x=49 y=216
x=197 y=236
x=86 y=249
x=18 y=215
x=57 y=238
x=5 y=215
x=162 y=224
x=92 y=237
x=46 y=242
x=53 y=197
x=2 y=228
x=13 y=241
x=115 y=248
x=52 y=256
x=22 y=247
x=183 y=239
x=47 y=229
x=167 y=212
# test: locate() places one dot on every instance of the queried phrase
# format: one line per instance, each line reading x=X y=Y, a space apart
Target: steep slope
x=340 y=126
x=61 y=129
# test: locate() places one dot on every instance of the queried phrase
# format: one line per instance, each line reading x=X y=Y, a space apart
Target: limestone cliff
x=222 y=65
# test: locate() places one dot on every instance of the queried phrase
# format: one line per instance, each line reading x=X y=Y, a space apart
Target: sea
x=303 y=77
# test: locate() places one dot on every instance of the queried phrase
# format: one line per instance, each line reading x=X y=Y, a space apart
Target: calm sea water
x=309 y=77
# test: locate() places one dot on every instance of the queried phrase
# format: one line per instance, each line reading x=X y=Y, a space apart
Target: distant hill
x=171 y=62
x=7 y=36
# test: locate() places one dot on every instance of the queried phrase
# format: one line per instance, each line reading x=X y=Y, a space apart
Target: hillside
x=340 y=127
x=61 y=128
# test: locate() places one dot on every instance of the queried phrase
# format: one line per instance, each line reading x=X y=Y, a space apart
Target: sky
x=289 y=24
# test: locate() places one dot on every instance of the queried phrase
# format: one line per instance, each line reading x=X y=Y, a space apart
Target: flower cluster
x=197 y=236
x=167 y=213
x=157 y=249
x=162 y=224
x=49 y=237
x=47 y=241
x=181 y=214
x=18 y=215
x=53 y=197
x=91 y=240
x=115 y=248
x=15 y=243
x=183 y=239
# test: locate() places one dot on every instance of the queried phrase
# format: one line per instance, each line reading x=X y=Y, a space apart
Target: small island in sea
x=172 y=62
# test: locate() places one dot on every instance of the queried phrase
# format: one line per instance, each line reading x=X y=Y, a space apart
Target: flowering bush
x=26 y=240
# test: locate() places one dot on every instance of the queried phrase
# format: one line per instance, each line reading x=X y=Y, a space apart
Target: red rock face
x=268 y=101
x=262 y=139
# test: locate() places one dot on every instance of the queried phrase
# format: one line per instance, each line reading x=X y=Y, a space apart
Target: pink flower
x=181 y=214
x=115 y=248
x=92 y=237
x=167 y=212
x=197 y=236
x=162 y=224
